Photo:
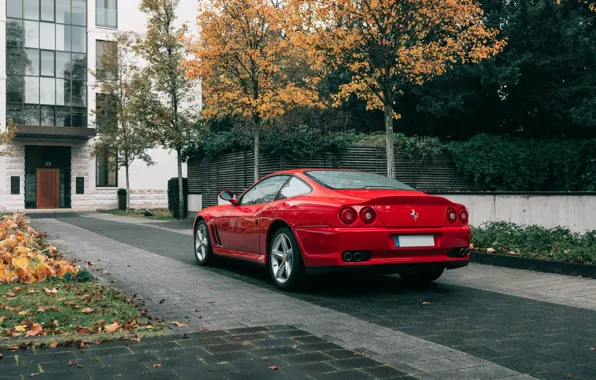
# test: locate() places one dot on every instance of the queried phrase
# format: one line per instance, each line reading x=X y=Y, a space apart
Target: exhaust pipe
x=347 y=256
x=357 y=256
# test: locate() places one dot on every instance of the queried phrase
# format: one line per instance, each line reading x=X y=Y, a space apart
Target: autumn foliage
x=388 y=44
x=26 y=256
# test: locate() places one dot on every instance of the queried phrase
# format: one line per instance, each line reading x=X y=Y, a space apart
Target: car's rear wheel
x=421 y=275
x=203 y=251
x=285 y=261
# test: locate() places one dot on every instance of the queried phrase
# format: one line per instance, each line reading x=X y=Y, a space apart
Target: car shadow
x=334 y=284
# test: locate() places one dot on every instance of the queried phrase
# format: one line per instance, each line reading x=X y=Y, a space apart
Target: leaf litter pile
x=44 y=294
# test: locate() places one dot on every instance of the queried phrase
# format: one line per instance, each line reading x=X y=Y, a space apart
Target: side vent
x=216 y=235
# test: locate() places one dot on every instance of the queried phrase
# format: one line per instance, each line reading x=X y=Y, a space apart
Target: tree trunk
x=127 y=189
x=389 y=141
x=256 y=150
x=180 y=187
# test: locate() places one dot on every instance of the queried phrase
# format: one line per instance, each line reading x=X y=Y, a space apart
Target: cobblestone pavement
x=442 y=331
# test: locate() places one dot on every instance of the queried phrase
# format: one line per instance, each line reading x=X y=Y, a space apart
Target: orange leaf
x=41 y=310
x=136 y=339
x=203 y=329
x=34 y=374
x=2 y=319
x=87 y=310
x=51 y=291
x=273 y=367
x=35 y=329
x=113 y=327
x=591 y=348
x=54 y=344
x=157 y=365
x=10 y=294
x=426 y=303
x=1 y=356
x=246 y=343
x=180 y=324
x=72 y=362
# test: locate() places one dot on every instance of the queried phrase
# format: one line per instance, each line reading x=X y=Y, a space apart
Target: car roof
x=302 y=170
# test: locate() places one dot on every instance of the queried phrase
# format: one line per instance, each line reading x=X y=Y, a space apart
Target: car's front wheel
x=285 y=261
x=203 y=251
x=421 y=275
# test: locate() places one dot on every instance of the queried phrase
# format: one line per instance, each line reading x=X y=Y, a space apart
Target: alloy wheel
x=201 y=243
x=282 y=258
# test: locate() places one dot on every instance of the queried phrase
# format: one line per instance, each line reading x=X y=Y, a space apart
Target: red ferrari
x=310 y=220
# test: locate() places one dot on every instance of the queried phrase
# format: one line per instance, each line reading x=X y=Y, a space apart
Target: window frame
x=241 y=198
x=97 y=15
x=106 y=155
x=277 y=198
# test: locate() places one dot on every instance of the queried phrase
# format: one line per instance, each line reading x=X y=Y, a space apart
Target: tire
x=202 y=244
x=422 y=275
x=284 y=255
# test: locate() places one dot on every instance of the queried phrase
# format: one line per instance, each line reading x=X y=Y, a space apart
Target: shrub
x=173 y=197
x=84 y=275
x=535 y=241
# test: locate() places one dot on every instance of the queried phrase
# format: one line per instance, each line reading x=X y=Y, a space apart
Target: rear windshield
x=348 y=180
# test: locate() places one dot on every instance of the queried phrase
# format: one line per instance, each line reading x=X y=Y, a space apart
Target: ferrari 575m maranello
x=298 y=222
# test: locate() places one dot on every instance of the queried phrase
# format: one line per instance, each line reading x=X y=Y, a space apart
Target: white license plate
x=414 y=241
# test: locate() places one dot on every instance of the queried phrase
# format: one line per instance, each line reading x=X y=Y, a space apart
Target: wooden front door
x=48 y=188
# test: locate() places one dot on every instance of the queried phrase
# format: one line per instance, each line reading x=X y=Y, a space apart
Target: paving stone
x=274 y=351
x=383 y=372
x=345 y=375
x=436 y=365
x=304 y=358
x=355 y=362
x=117 y=361
x=488 y=372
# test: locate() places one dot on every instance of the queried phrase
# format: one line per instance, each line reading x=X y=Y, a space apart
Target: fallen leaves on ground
x=426 y=303
x=87 y=310
x=203 y=329
x=35 y=330
x=273 y=367
x=72 y=362
x=246 y=343
x=180 y=324
x=54 y=344
x=1 y=356
x=25 y=254
x=156 y=365
x=51 y=291
x=591 y=348
x=112 y=327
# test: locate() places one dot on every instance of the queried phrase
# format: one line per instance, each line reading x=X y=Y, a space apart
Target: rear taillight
x=463 y=216
x=348 y=215
x=368 y=215
x=451 y=215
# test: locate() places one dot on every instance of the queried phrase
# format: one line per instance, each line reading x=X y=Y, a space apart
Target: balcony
x=54 y=133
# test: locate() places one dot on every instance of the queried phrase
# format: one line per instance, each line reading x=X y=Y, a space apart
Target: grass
x=158 y=214
x=557 y=244
x=73 y=309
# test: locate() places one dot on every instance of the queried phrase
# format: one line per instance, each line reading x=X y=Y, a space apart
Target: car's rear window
x=351 y=180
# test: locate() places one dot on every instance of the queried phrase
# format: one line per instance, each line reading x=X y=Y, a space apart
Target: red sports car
x=309 y=220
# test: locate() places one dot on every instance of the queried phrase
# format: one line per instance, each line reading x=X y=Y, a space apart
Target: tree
x=6 y=138
x=388 y=44
x=542 y=84
x=168 y=106
x=120 y=129
x=249 y=64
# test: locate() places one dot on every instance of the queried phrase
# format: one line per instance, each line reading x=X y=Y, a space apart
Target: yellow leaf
x=20 y=262
x=87 y=310
x=112 y=327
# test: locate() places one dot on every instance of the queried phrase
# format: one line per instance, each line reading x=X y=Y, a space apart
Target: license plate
x=414 y=241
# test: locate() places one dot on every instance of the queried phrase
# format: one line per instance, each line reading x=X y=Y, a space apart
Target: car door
x=241 y=232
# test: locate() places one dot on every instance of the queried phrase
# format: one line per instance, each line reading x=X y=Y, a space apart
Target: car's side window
x=293 y=188
x=264 y=191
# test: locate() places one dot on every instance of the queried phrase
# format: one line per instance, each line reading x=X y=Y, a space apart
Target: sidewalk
x=445 y=331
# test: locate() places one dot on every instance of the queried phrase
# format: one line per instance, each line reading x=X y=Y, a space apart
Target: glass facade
x=46 y=62
x=106 y=13
x=106 y=170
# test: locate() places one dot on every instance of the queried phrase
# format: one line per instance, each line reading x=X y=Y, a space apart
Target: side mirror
x=227 y=196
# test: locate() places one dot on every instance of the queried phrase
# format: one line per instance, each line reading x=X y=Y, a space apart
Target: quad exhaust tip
x=357 y=256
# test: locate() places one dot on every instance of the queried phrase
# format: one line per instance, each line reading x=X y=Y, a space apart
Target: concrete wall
x=577 y=212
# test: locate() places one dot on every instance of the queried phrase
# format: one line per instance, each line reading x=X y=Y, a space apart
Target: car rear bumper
x=323 y=247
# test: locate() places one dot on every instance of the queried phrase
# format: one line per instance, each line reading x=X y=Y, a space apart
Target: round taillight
x=368 y=215
x=451 y=215
x=348 y=215
x=463 y=216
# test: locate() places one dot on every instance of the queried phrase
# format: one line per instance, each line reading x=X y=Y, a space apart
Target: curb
x=538 y=265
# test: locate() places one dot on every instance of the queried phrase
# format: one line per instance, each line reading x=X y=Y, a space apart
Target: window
x=352 y=180
x=106 y=13
x=107 y=174
x=46 y=62
x=106 y=111
x=264 y=191
x=102 y=48
x=293 y=188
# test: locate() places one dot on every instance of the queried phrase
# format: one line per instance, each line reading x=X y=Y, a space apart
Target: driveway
x=479 y=322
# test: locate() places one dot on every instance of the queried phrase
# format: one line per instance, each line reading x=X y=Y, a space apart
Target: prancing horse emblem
x=414 y=215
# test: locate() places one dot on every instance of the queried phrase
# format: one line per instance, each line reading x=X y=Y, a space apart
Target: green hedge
x=495 y=163
x=535 y=241
x=173 y=196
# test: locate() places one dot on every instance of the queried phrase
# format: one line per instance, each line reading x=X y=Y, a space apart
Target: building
x=46 y=88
